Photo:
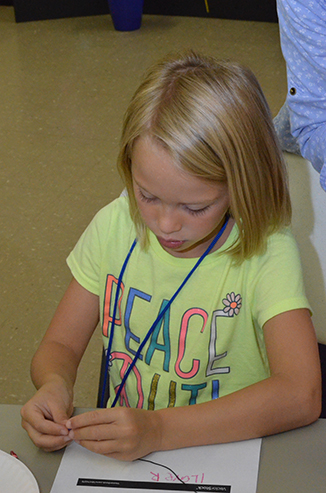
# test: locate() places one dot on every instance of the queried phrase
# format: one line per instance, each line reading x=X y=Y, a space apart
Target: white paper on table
x=228 y=468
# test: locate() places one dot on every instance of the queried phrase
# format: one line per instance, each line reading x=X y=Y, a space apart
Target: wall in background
x=35 y=10
x=254 y=10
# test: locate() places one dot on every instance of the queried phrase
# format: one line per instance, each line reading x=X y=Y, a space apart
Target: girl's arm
x=54 y=367
x=289 y=398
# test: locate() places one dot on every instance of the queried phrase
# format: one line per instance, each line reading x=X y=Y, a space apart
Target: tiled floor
x=64 y=86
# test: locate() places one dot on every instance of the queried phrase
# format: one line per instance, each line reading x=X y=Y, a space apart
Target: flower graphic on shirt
x=232 y=304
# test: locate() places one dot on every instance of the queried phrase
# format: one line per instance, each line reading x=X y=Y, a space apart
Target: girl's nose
x=168 y=220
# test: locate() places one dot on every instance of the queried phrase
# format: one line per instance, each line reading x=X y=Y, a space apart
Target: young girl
x=209 y=331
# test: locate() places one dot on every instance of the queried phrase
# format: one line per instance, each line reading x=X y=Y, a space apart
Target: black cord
x=166 y=467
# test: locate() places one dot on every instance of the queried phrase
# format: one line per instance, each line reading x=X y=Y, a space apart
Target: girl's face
x=183 y=211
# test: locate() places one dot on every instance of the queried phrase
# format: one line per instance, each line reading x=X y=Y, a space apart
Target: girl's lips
x=173 y=244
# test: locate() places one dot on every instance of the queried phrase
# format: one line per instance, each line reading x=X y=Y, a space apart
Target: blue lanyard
x=158 y=319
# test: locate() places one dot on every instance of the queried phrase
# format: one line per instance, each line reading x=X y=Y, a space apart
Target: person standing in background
x=301 y=122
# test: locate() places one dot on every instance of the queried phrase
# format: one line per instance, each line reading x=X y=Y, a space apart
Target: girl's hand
x=123 y=433
x=44 y=416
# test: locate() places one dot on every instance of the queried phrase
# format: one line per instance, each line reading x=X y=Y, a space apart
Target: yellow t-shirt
x=210 y=341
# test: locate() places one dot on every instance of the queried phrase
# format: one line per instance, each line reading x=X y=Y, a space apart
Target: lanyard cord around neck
x=158 y=319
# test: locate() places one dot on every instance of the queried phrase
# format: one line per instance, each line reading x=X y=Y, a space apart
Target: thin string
x=165 y=467
x=158 y=319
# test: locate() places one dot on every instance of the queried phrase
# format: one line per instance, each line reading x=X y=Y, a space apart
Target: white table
x=292 y=462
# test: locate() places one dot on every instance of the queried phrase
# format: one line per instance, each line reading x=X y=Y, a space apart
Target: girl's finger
x=96 y=417
x=96 y=432
x=37 y=421
x=49 y=443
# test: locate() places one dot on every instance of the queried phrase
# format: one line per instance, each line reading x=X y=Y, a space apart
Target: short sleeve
x=85 y=259
x=278 y=286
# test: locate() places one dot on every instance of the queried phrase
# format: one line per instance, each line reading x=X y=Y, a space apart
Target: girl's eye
x=198 y=212
x=193 y=212
x=144 y=198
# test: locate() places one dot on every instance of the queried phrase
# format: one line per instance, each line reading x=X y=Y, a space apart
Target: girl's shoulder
x=115 y=214
x=112 y=222
x=281 y=251
x=118 y=207
x=281 y=239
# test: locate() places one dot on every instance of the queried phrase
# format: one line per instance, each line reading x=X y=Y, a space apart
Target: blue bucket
x=126 y=14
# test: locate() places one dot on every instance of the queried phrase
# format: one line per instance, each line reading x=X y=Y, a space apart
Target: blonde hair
x=213 y=119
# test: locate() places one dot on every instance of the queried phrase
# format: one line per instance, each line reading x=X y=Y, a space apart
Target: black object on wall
x=254 y=10
x=36 y=10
